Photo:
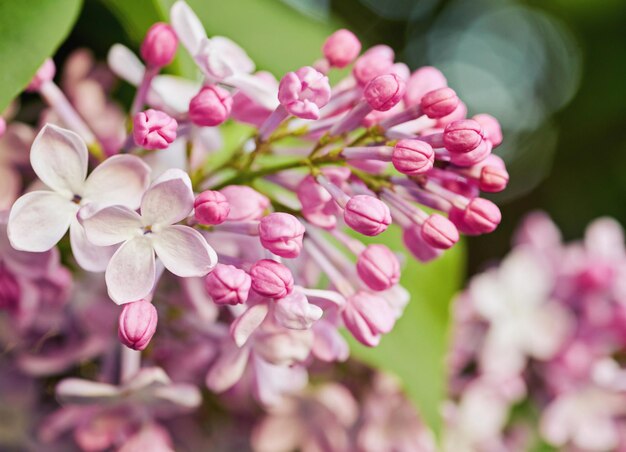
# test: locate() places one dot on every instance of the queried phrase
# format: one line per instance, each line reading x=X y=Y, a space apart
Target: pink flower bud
x=271 y=279
x=419 y=248
x=493 y=179
x=341 y=48
x=482 y=151
x=460 y=112
x=281 y=233
x=245 y=203
x=137 y=324
x=211 y=207
x=211 y=106
x=378 y=267
x=440 y=102
x=304 y=92
x=154 y=129
x=376 y=61
x=367 y=215
x=245 y=109
x=368 y=316
x=462 y=136
x=384 y=91
x=44 y=74
x=439 y=232
x=413 y=157
x=159 y=46
x=493 y=132
x=482 y=215
x=227 y=284
x=422 y=81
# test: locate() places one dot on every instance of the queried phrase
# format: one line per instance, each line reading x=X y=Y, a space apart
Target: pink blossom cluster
x=244 y=272
x=537 y=355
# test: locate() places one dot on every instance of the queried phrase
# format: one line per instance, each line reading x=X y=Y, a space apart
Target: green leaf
x=415 y=350
x=30 y=31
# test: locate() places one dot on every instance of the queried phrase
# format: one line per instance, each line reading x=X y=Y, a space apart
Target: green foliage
x=415 y=350
x=30 y=32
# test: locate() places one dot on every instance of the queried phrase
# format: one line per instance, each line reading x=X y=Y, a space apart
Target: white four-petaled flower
x=130 y=274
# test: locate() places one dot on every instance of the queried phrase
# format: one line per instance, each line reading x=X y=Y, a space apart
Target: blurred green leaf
x=416 y=348
x=276 y=36
x=30 y=32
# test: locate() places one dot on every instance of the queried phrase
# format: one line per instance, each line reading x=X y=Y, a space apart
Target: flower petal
x=78 y=391
x=38 y=220
x=246 y=324
x=125 y=64
x=184 y=251
x=172 y=93
x=10 y=186
x=130 y=275
x=255 y=89
x=187 y=26
x=119 y=180
x=111 y=225
x=59 y=158
x=169 y=199
x=228 y=369
x=295 y=312
x=90 y=257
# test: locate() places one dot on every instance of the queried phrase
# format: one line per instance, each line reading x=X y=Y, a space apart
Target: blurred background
x=552 y=72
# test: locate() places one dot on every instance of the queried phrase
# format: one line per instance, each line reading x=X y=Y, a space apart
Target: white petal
x=174 y=156
x=295 y=312
x=119 y=180
x=78 y=391
x=184 y=251
x=169 y=199
x=246 y=324
x=59 y=158
x=130 y=274
x=38 y=220
x=89 y=256
x=125 y=64
x=255 y=89
x=172 y=93
x=237 y=57
x=605 y=238
x=187 y=26
x=111 y=225
x=10 y=186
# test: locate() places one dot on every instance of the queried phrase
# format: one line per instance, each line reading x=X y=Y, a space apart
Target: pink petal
x=38 y=220
x=246 y=324
x=295 y=312
x=184 y=251
x=169 y=199
x=111 y=225
x=59 y=158
x=89 y=256
x=130 y=274
x=10 y=186
x=228 y=369
x=119 y=180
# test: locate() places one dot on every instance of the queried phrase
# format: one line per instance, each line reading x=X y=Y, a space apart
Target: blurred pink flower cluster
x=537 y=355
x=264 y=253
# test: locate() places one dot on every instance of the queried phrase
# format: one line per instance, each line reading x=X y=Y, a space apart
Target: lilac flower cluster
x=538 y=345
x=262 y=271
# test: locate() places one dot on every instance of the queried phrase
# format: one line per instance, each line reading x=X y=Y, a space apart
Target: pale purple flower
x=130 y=274
x=39 y=219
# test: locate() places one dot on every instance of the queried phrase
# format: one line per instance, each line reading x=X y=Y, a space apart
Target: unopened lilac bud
x=439 y=232
x=304 y=92
x=460 y=112
x=482 y=215
x=211 y=106
x=211 y=207
x=422 y=81
x=245 y=203
x=44 y=74
x=413 y=157
x=368 y=316
x=462 y=136
x=376 y=61
x=378 y=267
x=154 y=129
x=367 y=215
x=341 y=48
x=482 y=151
x=493 y=179
x=159 y=46
x=419 y=248
x=227 y=284
x=439 y=103
x=281 y=233
x=493 y=132
x=137 y=324
x=384 y=91
x=271 y=279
